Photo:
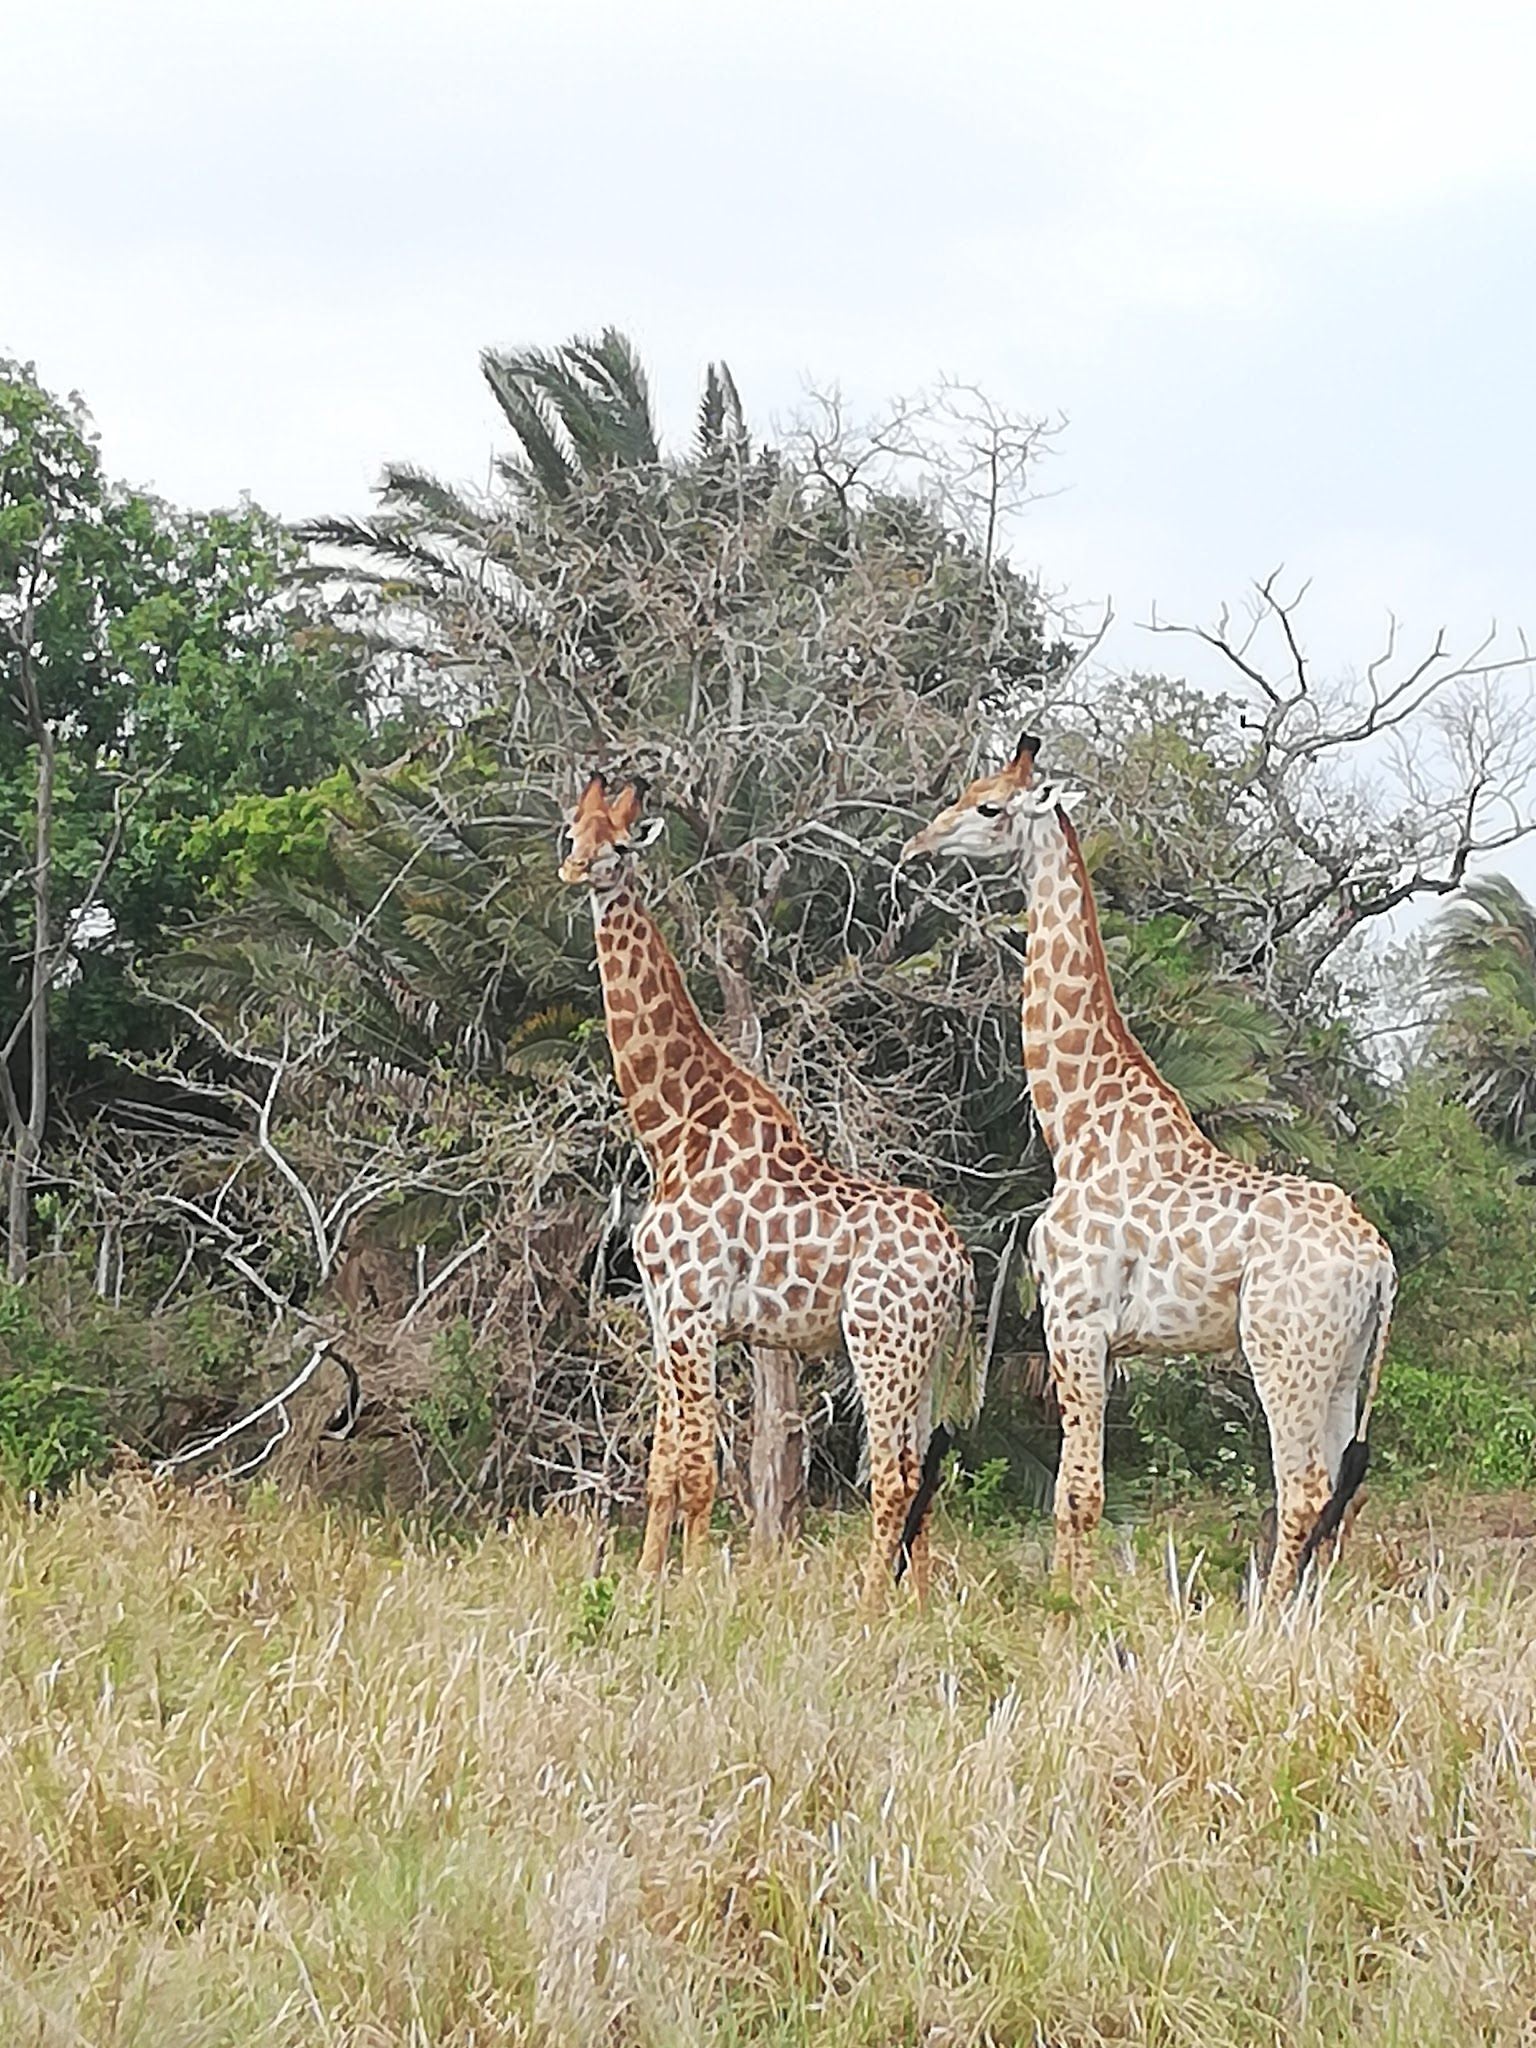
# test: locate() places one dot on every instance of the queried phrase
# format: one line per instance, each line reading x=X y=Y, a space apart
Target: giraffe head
x=603 y=835
x=1009 y=812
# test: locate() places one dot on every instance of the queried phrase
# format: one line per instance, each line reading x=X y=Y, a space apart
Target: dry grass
x=273 y=1776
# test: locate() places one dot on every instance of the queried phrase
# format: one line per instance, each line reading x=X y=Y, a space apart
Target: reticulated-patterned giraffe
x=749 y=1235
x=1154 y=1240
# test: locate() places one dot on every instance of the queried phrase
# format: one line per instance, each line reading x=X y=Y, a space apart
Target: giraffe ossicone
x=1155 y=1242
x=749 y=1234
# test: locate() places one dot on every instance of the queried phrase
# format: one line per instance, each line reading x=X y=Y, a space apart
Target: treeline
x=305 y=1082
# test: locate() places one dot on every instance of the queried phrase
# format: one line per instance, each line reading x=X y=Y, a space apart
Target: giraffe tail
x=960 y=1369
x=922 y=1500
x=1357 y=1452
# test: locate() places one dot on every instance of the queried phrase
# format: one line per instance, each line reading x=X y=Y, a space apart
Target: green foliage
x=595 y=1602
x=798 y=648
x=78 y=1377
x=180 y=674
x=51 y=1425
x=1003 y=1474
x=1462 y=1226
x=1196 y=1427
x=261 y=838
x=1484 y=959
x=787 y=661
x=978 y=1497
x=1445 y=1421
x=1211 y=1039
x=457 y=1418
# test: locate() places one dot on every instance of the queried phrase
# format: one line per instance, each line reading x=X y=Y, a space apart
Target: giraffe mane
x=1129 y=1044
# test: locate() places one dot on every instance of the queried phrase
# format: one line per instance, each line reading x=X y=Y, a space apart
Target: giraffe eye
x=990 y=810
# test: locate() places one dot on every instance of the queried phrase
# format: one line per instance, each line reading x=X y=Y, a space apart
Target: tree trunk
x=29 y=1135
x=778 y=1469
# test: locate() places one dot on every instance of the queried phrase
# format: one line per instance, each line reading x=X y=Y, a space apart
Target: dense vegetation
x=303 y=1055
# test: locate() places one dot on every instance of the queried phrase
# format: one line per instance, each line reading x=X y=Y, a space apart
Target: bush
x=1441 y=1422
x=78 y=1378
x=1195 y=1425
x=51 y=1425
x=457 y=1418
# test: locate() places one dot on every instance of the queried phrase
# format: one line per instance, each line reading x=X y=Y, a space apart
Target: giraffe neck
x=1085 y=1070
x=673 y=1074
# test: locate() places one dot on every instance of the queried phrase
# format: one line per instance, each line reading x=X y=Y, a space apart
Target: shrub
x=51 y=1424
x=1456 y=1425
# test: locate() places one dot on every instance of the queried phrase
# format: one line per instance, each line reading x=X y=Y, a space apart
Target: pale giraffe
x=749 y=1235
x=1155 y=1241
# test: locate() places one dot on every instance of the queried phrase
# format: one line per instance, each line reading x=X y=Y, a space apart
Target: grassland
x=273 y=1775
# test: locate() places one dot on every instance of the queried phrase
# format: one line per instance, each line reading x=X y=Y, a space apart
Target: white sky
x=1276 y=265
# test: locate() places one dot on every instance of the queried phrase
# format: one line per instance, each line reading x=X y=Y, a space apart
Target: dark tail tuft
x=1357 y=1455
x=922 y=1500
x=344 y=1421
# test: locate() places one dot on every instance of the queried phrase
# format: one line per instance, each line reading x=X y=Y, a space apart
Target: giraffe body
x=1155 y=1241
x=748 y=1234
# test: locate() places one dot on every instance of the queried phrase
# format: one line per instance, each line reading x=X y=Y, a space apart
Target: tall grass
x=270 y=1775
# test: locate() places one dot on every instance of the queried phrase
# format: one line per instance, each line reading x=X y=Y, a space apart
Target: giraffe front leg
x=1079 y=1363
x=661 y=1477
x=888 y=1370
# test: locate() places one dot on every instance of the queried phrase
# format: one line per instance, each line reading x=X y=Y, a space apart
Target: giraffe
x=1155 y=1241
x=748 y=1234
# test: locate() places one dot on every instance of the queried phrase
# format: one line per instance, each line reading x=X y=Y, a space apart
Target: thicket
x=304 y=1072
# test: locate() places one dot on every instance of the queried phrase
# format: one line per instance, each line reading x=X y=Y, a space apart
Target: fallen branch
x=275 y=1402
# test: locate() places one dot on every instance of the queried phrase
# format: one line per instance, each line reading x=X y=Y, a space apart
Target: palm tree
x=433 y=943
x=1483 y=960
x=786 y=656
x=577 y=412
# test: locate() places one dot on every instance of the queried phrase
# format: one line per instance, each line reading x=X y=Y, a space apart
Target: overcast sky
x=1276 y=266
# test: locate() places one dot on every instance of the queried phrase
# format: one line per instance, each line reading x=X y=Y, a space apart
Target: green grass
x=274 y=1775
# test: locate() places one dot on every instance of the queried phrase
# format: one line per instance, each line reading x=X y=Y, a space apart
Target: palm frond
x=419 y=495
x=722 y=427
x=533 y=420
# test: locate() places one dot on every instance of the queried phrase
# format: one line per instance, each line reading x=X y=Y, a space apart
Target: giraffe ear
x=1055 y=798
x=625 y=809
x=595 y=792
x=647 y=832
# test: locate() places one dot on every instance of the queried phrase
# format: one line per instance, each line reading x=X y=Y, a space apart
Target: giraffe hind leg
x=1079 y=1366
x=1296 y=1389
x=889 y=1369
x=661 y=1476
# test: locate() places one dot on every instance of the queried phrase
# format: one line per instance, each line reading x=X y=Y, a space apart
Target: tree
x=150 y=670
x=1289 y=813
x=794 y=644
x=1483 y=961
